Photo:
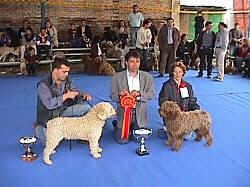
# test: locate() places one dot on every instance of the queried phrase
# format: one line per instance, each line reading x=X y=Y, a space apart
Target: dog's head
x=104 y=110
x=169 y=110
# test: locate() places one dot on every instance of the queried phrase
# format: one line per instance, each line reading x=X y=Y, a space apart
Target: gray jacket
x=120 y=82
x=222 y=39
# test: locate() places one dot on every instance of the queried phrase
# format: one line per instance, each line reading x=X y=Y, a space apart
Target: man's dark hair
x=223 y=24
x=145 y=22
x=58 y=62
x=135 y=6
x=170 y=18
x=208 y=23
x=133 y=53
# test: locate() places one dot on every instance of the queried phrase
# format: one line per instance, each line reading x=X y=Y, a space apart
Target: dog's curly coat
x=179 y=123
x=88 y=127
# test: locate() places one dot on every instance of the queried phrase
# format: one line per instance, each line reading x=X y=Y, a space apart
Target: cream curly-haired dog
x=179 y=123
x=88 y=127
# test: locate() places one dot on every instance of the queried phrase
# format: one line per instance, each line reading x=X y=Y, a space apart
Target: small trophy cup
x=27 y=141
x=141 y=135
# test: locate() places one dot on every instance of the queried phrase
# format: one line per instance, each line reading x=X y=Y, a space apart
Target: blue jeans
x=76 y=110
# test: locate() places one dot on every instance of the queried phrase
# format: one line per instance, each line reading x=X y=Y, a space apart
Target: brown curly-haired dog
x=105 y=68
x=179 y=123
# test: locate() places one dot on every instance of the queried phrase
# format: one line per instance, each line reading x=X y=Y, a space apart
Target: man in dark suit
x=84 y=33
x=168 y=39
x=137 y=83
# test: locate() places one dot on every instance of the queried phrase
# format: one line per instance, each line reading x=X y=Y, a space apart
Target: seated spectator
x=4 y=39
x=52 y=32
x=28 y=40
x=184 y=50
x=84 y=33
x=123 y=31
x=43 y=43
x=13 y=37
x=31 y=60
x=110 y=35
x=74 y=41
x=241 y=53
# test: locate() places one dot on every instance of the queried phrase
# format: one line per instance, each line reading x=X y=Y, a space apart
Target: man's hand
x=124 y=92
x=86 y=97
x=135 y=93
x=70 y=95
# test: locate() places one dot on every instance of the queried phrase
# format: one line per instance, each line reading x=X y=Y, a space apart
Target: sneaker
x=199 y=75
x=209 y=76
x=219 y=79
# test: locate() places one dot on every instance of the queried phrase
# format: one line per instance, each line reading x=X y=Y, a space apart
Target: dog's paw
x=208 y=144
x=48 y=162
x=99 y=150
x=97 y=155
x=167 y=143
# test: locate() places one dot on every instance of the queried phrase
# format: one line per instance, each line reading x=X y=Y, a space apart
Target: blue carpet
x=226 y=163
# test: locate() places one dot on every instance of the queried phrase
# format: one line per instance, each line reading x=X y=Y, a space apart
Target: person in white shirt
x=143 y=40
x=135 y=20
x=140 y=85
x=221 y=43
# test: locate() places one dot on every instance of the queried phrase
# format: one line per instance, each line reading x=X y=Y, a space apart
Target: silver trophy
x=27 y=142
x=141 y=135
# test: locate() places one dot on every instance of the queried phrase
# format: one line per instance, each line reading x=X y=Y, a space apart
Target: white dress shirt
x=133 y=82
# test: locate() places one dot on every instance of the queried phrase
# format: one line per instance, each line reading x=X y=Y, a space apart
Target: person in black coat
x=199 y=23
x=178 y=90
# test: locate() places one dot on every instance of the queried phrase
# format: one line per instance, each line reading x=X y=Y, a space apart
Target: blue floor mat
x=225 y=163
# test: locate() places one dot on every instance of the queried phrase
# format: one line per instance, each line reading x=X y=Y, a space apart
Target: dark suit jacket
x=87 y=32
x=163 y=38
x=120 y=82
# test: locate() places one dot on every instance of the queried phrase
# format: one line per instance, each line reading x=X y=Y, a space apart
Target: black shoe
x=114 y=123
x=209 y=76
x=199 y=75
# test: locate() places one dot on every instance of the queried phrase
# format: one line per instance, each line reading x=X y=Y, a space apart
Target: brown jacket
x=163 y=38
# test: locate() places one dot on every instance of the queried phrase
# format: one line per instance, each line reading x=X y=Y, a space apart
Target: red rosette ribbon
x=128 y=102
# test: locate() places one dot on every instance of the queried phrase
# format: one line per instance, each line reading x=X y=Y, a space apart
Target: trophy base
x=142 y=153
x=29 y=157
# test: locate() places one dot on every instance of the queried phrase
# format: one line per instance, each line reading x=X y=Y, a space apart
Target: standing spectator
x=74 y=41
x=135 y=20
x=205 y=47
x=221 y=43
x=199 y=23
x=184 y=50
x=22 y=30
x=28 y=40
x=235 y=37
x=31 y=60
x=154 y=32
x=52 y=32
x=168 y=39
x=143 y=40
x=84 y=33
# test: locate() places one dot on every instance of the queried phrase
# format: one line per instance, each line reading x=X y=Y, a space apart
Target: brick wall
x=100 y=13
